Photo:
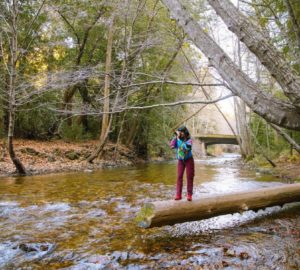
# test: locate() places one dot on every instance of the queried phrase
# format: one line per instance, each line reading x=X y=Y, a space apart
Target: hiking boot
x=189 y=197
x=177 y=198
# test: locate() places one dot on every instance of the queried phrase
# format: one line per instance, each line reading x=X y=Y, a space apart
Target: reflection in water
x=86 y=221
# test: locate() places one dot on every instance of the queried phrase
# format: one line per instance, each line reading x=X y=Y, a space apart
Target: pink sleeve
x=173 y=143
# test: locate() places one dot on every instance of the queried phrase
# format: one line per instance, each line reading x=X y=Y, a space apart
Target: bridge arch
x=211 y=139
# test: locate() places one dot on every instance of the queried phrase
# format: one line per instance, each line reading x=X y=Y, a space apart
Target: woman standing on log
x=182 y=142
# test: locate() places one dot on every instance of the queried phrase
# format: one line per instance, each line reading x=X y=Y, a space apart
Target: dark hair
x=185 y=131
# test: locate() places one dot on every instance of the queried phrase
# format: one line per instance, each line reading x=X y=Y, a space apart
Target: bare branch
x=115 y=110
x=69 y=24
x=86 y=36
x=31 y=24
x=179 y=103
x=3 y=56
x=172 y=82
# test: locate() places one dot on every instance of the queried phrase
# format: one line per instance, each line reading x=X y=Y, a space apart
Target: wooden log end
x=244 y=207
x=144 y=217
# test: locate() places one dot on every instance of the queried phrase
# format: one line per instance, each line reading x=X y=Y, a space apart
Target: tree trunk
x=86 y=100
x=287 y=137
x=261 y=150
x=267 y=138
x=134 y=125
x=101 y=144
x=267 y=106
x=106 y=118
x=252 y=36
x=12 y=95
x=239 y=126
x=244 y=137
x=5 y=100
x=3 y=150
x=162 y=213
x=67 y=102
x=18 y=164
x=294 y=21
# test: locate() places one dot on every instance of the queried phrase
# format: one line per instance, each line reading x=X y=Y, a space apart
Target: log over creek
x=171 y=212
x=86 y=220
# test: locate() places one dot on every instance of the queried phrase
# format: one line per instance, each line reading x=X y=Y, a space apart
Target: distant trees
x=53 y=77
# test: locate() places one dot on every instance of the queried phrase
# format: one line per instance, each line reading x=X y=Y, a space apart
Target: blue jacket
x=183 y=148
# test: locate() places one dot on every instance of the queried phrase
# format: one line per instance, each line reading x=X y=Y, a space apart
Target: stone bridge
x=210 y=139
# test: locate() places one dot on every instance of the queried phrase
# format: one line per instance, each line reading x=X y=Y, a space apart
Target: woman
x=182 y=142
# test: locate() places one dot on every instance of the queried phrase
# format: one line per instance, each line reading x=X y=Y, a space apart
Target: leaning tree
x=284 y=113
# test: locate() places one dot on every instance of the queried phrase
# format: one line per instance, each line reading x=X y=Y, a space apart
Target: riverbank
x=289 y=171
x=40 y=157
x=44 y=157
x=287 y=167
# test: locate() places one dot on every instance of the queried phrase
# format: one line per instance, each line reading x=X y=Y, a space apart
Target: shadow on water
x=86 y=221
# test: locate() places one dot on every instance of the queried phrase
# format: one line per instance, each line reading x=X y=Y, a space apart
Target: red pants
x=190 y=173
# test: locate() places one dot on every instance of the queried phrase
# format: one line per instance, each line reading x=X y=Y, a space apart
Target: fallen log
x=162 y=213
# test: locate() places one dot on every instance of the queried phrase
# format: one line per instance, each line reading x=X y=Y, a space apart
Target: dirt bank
x=288 y=170
x=58 y=156
x=287 y=167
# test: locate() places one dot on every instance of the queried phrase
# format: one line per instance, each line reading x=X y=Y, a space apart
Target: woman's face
x=181 y=134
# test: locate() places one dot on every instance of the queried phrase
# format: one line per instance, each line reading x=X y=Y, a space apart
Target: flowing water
x=86 y=221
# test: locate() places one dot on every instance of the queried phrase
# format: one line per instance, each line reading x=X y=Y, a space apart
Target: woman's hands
x=178 y=134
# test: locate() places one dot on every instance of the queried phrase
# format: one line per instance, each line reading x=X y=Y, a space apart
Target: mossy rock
x=51 y=158
x=29 y=151
x=249 y=158
x=267 y=171
x=72 y=155
x=43 y=155
x=85 y=154
x=57 y=152
x=143 y=218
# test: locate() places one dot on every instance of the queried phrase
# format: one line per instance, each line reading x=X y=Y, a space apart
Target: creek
x=86 y=221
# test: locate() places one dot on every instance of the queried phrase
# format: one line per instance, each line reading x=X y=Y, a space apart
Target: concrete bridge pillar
x=203 y=148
